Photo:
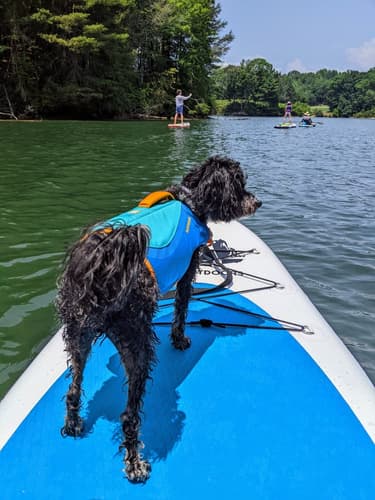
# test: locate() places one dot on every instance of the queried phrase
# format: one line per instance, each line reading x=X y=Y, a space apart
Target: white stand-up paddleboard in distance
x=266 y=404
x=179 y=125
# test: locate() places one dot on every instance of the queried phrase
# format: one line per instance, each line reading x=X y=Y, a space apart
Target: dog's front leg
x=183 y=294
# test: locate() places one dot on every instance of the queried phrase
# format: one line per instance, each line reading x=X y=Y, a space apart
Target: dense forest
x=105 y=59
x=256 y=88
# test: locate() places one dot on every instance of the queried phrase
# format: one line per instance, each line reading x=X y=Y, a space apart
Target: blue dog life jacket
x=175 y=234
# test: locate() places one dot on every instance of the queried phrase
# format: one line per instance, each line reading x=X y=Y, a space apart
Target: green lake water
x=318 y=214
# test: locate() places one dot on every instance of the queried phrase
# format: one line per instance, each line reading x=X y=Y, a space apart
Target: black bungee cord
x=211 y=259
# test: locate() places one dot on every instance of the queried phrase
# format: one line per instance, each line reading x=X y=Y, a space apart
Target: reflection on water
x=318 y=209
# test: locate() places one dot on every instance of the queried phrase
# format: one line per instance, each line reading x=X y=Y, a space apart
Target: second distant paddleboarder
x=288 y=111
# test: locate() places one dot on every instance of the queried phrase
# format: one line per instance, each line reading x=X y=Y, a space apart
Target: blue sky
x=302 y=35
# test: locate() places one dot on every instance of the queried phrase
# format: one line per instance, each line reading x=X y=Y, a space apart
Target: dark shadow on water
x=162 y=421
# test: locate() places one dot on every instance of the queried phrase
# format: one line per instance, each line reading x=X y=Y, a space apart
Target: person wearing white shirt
x=180 y=106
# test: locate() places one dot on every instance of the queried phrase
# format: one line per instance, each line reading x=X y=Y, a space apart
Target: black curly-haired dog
x=109 y=286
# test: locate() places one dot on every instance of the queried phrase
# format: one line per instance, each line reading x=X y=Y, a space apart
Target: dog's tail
x=99 y=271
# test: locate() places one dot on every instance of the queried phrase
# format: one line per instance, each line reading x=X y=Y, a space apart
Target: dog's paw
x=138 y=471
x=181 y=343
x=73 y=427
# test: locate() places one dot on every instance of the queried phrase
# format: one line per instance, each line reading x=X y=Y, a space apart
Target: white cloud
x=296 y=65
x=363 y=57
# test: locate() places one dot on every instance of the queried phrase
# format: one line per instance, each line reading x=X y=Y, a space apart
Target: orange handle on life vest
x=154 y=198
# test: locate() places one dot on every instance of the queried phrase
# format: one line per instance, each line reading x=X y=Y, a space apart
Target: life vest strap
x=150 y=269
x=104 y=230
x=156 y=197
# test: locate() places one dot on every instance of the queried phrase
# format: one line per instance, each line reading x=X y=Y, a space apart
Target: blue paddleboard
x=251 y=410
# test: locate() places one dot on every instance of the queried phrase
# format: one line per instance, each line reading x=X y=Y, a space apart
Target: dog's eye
x=244 y=179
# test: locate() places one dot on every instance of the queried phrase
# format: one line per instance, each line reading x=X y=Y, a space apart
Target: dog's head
x=217 y=190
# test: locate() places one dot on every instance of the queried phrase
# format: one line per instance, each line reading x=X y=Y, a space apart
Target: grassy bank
x=244 y=107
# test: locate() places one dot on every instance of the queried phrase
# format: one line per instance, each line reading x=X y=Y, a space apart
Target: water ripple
x=318 y=213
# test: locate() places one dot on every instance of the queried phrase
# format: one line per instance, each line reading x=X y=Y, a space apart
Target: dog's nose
x=258 y=203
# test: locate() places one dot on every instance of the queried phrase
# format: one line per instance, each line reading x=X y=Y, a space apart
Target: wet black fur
x=106 y=287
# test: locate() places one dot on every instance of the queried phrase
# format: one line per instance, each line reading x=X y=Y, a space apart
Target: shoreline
x=165 y=119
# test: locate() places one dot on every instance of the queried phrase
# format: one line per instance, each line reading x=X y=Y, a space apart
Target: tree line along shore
x=120 y=59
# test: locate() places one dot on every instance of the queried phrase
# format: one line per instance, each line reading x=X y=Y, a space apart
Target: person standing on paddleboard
x=288 y=111
x=180 y=106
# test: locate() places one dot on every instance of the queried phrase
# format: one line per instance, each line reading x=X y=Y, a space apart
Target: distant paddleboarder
x=306 y=119
x=180 y=106
x=288 y=111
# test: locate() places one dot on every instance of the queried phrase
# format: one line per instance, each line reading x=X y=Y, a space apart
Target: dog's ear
x=213 y=171
x=222 y=186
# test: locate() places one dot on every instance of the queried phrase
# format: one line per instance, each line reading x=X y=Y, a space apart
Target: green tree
x=104 y=58
x=254 y=84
